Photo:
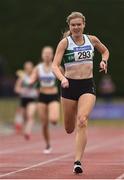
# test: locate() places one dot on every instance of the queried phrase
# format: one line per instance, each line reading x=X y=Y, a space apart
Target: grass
x=8 y=107
x=7 y=110
x=106 y=122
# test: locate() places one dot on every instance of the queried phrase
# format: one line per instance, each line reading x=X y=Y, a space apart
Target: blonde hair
x=74 y=15
x=66 y=33
x=20 y=73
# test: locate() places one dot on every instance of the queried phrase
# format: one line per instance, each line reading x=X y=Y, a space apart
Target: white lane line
x=39 y=164
x=18 y=149
x=22 y=148
x=108 y=143
x=121 y=176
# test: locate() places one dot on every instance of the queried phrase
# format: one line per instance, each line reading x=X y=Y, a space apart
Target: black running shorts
x=24 y=101
x=47 y=98
x=78 y=87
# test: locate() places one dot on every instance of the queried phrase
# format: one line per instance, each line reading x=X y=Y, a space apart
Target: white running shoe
x=47 y=150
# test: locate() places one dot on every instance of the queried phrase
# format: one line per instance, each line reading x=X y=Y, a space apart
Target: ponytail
x=66 y=33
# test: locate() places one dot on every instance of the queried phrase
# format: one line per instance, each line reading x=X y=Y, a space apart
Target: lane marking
x=22 y=148
x=29 y=146
x=61 y=157
x=39 y=164
x=121 y=176
x=18 y=149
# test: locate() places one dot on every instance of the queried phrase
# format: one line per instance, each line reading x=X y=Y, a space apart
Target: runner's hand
x=103 y=66
x=65 y=83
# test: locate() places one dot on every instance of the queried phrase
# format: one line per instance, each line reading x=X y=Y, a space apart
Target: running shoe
x=48 y=150
x=18 y=128
x=77 y=167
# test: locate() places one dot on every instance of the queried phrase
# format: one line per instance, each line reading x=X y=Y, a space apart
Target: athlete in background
x=49 y=107
x=28 y=98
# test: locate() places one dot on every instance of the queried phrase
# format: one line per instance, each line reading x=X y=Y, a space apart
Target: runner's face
x=76 y=26
x=28 y=68
x=47 y=55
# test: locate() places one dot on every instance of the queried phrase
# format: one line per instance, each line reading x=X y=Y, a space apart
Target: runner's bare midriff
x=79 y=71
x=49 y=90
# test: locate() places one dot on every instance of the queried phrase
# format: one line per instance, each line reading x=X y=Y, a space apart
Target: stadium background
x=27 y=25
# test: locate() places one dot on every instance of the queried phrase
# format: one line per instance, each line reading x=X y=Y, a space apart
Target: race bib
x=47 y=81
x=83 y=53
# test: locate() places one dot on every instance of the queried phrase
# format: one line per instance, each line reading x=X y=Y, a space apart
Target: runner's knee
x=82 y=120
x=69 y=130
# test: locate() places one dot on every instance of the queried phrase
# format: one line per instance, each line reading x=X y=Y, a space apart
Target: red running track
x=103 y=159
